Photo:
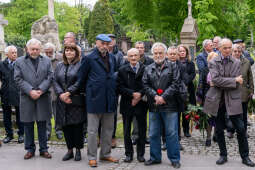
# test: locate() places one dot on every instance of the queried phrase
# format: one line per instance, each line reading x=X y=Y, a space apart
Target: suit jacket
x=223 y=78
x=99 y=83
x=9 y=90
x=129 y=82
x=27 y=79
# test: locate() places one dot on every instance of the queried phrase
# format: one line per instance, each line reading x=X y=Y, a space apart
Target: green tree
x=101 y=20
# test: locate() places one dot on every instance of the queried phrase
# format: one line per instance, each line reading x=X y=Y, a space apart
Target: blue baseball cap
x=103 y=37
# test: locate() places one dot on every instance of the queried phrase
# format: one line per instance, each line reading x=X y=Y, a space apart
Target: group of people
x=82 y=92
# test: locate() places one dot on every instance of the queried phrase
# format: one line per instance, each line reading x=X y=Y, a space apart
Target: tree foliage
x=101 y=20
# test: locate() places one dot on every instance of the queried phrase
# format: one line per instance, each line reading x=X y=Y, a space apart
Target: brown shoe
x=93 y=163
x=114 y=143
x=110 y=159
x=45 y=155
x=29 y=155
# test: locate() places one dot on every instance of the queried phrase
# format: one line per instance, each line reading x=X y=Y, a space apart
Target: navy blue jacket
x=100 y=84
x=202 y=61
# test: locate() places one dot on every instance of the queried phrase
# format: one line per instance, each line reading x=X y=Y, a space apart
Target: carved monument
x=3 y=23
x=46 y=28
x=189 y=32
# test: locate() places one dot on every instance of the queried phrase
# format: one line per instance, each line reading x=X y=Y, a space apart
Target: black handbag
x=78 y=100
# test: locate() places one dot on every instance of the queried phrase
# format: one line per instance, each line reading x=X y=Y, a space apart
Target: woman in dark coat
x=188 y=75
x=70 y=110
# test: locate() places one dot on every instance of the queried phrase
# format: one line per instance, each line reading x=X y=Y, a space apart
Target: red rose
x=196 y=117
x=160 y=91
x=197 y=127
x=187 y=117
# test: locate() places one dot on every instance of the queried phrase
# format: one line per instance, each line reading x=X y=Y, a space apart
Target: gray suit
x=28 y=79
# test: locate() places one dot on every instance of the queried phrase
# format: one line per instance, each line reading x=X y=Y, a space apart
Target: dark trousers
x=7 y=115
x=141 y=121
x=29 y=136
x=74 y=136
x=238 y=124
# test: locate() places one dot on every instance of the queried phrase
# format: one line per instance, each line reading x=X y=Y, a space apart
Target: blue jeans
x=170 y=121
x=29 y=136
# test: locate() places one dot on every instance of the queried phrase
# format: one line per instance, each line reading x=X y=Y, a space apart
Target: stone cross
x=51 y=8
x=189 y=8
x=3 y=23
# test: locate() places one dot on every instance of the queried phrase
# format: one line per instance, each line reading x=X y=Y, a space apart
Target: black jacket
x=188 y=75
x=203 y=86
x=9 y=90
x=65 y=79
x=129 y=82
x=168 y=80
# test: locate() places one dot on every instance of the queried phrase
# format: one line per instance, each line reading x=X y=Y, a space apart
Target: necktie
x=11 y=64
x=134 y=68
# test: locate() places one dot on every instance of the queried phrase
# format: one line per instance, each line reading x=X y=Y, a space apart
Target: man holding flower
x=161 y=82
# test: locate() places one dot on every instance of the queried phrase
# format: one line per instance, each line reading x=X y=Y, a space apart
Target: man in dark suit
x=145 y=60
x=130 y=86
x=10 y=95
x=33 y=75
x=224 y=97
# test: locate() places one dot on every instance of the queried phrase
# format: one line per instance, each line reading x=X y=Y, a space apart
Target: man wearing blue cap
x=97 y=74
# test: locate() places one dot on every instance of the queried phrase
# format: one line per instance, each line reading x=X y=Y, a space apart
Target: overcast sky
x=71 y=2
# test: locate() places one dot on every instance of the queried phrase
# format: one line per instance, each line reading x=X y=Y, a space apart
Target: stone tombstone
x=189 y=32
x=3 y=23
x=46 y=30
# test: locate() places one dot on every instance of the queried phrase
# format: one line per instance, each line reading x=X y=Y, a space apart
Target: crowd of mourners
x=83 y=92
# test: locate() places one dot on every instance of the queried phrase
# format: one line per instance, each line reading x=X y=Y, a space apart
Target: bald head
x=225 y=47
x=133 y=56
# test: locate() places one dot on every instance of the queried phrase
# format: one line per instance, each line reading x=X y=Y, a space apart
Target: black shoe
x=59 y=136
x=68 y=156
x=7 y=139
x=128 y=159
x=140 y=159
x=214 y=138
x=77 y=155
x=181 y=147
x=187 y=134
x=151 y=162
x=248 y=162
x=222 y=160
x=163 y=146
x=21 y=139
x=147 y=141
x=208 y=142
x=134 y=141
x=176 y=165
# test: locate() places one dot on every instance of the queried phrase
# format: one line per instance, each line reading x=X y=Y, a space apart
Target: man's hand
x=137 y=95
x=34 y=94
x=239 y=79
x=159 y=100
x=65 y=97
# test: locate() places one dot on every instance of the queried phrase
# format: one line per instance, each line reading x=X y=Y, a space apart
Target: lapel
x=40 y=65
x=29 y=64
x=140 y=70
x=6 y=64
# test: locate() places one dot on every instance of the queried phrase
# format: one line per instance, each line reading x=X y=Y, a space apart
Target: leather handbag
x=78 y=100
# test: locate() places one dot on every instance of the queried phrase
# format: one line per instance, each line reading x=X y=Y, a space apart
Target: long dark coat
x=65 y=79
x=100 y=84
x=9 y=90
x=129 y=82
x=27 y=78
x=223 y=78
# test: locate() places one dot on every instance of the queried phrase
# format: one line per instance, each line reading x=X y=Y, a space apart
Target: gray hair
x=206 y=42
x=223 y=41
x=171 y=48
x=237 y=46
x=33 y=41
x=140 y=42
x=72 y=34
x=132 y=49
x=7 y=49
x=49 y=46
x=217 y=38
x=158 y=44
